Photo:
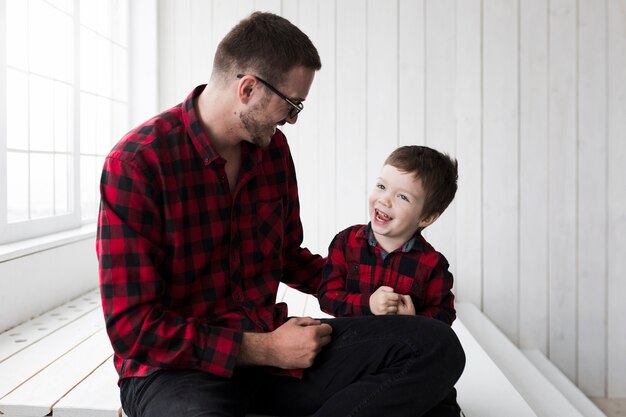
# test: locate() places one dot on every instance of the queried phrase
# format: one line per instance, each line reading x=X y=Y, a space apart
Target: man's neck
x=217 y=120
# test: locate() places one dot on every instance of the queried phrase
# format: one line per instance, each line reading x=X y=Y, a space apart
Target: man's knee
x=448 y=348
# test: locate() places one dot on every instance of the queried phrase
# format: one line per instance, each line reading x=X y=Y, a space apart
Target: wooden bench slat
x=27 y=333
x=97 y=396
x=31 y=360
x=35 y=397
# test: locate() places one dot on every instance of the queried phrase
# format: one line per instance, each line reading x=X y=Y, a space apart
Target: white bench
x=60 y=364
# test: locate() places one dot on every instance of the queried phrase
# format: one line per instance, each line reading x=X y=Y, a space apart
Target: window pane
x=17 y=32
x=88 y=61
x=17 y=186
x=61 y=184
x=105 y=127
x=44 y=119
x=105 y=67
x=89 y=14
x=41 y=46
x=88 y=188
x=120 y=122
x=41 y=185
x=62 y=117
x=41 y=114
x=62 y=37
x=120 y=73
x=88 y=123
x=120 y=23
x=104 y=17
x=17 y=110
x=65 y=5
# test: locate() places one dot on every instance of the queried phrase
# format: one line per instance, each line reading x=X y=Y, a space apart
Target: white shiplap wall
x=530 y=96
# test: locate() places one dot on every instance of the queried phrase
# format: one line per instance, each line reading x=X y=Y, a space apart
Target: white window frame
x=17 y=231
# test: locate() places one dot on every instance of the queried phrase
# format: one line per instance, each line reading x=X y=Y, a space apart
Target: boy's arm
x=438 y=297
x=332 y=294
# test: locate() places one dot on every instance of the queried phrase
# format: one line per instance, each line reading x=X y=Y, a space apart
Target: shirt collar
x=415 y=243
x=200 y=140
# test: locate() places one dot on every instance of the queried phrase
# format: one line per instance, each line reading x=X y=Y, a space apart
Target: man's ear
x=245 y=88
x=427 y=221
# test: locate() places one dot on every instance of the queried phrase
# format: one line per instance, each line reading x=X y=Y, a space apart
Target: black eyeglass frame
x=296 y=106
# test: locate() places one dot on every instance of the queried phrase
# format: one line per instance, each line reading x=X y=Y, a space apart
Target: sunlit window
x=66 y=103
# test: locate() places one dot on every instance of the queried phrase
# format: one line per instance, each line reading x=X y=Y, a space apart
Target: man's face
x=269 y=110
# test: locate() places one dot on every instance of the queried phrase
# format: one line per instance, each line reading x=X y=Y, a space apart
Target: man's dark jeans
x=375 y=366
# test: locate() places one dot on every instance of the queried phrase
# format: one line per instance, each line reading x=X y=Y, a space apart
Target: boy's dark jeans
x=375 y=366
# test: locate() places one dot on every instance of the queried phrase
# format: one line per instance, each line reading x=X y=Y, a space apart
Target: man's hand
x=384 y=301
x=294 y=345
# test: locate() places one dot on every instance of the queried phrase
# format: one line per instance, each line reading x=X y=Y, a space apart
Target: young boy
x=387 y=267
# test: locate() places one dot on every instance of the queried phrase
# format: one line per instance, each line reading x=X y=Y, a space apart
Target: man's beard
x=261 y=132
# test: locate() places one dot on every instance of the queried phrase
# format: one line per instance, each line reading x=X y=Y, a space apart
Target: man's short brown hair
x=265 y=45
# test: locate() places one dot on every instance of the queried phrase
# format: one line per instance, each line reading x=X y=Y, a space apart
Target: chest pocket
x=413 y=286
x=361 y=279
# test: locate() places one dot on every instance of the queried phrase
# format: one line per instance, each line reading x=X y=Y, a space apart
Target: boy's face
x=395 y=206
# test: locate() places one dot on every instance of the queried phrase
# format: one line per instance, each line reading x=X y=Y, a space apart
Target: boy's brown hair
x=265 y=45
x=437 y=171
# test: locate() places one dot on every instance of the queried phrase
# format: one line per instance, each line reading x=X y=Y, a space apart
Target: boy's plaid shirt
x=355 y=269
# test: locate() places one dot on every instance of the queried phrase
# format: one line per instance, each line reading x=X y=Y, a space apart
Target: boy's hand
x=406 y=306
x=384 y=301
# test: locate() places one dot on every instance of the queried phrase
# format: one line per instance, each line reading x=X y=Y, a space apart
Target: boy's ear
x=427 y=221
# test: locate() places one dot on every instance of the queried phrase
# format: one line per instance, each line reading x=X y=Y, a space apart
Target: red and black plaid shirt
x=186 y=267
x=356 y=266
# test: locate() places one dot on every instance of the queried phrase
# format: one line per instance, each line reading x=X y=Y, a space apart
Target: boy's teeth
x=382 y=215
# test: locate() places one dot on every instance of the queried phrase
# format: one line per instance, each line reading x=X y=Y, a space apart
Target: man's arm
x=131 y=255
x=294 y=345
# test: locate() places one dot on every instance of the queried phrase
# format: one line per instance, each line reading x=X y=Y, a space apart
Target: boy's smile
x=395 y=207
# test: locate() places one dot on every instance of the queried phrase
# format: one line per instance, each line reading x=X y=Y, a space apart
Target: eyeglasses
x=296 y=106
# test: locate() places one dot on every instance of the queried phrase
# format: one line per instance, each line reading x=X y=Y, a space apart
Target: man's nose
x=292 y=119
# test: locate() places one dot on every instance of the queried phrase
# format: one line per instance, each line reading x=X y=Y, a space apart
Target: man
x=199 y=222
